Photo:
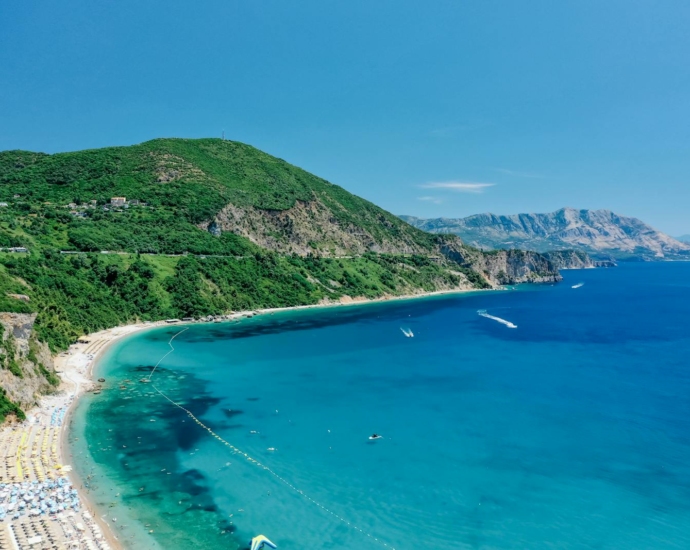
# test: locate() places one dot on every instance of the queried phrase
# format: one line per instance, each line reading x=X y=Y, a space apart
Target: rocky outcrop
x=503 y=267
x=605 y=263
x=308 y=227
x=570 y=259
x=576 y=259
x=27 y=364
x=598 y=232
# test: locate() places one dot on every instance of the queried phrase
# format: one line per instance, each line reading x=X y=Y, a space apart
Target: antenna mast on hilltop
x=223 y=137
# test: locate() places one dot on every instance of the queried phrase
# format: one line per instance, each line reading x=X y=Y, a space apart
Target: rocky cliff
x=311 y=227
x=570 y=259
x=576 y=259
x=503 y=267
x=598 y=232
x=27 y=364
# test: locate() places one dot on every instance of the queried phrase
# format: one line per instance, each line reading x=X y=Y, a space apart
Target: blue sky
x=441 y=108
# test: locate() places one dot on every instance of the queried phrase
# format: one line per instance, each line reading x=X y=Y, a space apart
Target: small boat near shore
x=374 y=437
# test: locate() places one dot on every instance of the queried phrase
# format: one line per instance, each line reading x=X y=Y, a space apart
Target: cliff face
x=570 y=259
x=599 y=232
x=516 y=266
x=309 y=227
x=27 y=364
x=503 y=267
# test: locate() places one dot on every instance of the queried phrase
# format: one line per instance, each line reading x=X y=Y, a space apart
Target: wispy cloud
x=519 y=174
x=459 y=186
x=429 y=198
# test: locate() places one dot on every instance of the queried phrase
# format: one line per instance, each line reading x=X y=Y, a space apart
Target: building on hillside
x=118 y=201
x=3 y=204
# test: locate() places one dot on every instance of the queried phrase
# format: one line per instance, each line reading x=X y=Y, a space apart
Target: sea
x=571 y=430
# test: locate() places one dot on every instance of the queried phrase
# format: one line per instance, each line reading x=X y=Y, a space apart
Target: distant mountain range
x=601 y=233
x=684 y=238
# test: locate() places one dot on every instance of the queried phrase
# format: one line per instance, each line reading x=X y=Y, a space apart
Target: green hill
x=206 y=227
x=187 y=182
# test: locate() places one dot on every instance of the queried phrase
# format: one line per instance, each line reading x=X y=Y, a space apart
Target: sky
x=437 y=108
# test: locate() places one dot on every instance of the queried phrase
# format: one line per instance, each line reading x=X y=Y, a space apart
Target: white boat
x=408 y=333
x=375 y=436
x=578 y=285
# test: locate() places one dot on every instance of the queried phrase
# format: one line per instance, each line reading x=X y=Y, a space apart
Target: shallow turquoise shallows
x=570 y=431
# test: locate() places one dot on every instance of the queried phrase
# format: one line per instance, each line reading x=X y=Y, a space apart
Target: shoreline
x=79 y=389
x=77 y=364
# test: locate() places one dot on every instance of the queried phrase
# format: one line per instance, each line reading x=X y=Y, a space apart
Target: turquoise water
x=571 y=431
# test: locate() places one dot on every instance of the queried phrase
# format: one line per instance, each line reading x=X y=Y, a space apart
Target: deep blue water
x=571 y=431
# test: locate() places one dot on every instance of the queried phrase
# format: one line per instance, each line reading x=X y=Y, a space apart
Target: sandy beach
x=83 y=525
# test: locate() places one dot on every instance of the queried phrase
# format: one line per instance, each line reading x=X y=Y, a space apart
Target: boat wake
x=578 y=285
x=483 y=313
x=407 y=332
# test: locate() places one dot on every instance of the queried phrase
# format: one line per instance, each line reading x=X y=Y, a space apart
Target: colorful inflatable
x=261 y=542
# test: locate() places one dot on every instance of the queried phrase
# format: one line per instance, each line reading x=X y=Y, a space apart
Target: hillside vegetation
x=208 y=227
x=184 y=182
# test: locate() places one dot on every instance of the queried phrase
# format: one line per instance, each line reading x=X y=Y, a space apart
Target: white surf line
x=483 y=313
x=171 y=350
x=253 y=460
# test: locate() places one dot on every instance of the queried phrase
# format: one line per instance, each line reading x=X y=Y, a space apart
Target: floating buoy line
x=171 y=350
x=252 y=460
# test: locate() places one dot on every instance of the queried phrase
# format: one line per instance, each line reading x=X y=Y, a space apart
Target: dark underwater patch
x=140 y=454
x=305 y=320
